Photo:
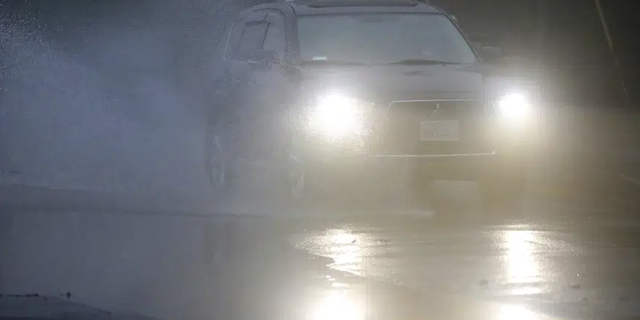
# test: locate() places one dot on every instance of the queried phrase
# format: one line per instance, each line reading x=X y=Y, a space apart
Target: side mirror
x=491 y=54
x=264 y=59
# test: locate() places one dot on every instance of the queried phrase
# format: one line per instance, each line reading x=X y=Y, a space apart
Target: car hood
x=383 y=84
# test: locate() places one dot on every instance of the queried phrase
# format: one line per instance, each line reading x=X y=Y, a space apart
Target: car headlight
x=514 y=106
x=337 y=116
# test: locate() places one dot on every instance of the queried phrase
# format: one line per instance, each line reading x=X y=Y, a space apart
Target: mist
x=108 y=96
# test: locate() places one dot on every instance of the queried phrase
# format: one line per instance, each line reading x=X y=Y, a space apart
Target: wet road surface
x=572 y=255
x=571 y=250
x=564 y=257
x=564 y=269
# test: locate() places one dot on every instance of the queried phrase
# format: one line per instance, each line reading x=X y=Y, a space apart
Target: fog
x=107 y=97
x=110 y=97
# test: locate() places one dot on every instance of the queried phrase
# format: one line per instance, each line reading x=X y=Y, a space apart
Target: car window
x=382 y=38
x=275 y=38
x=252 y=39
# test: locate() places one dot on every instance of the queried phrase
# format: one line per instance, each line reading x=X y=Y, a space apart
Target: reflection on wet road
x=339 y=303
x=584 y=268
x=520 y=265
x=565 y=258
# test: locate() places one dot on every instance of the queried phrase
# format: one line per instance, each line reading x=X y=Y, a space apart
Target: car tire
x=302 y=185
x=296 y=178
x=219 y=163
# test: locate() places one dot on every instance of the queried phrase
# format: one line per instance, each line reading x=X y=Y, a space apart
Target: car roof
x=319 y=7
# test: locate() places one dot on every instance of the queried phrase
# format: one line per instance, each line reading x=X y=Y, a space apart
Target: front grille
x=401 y=132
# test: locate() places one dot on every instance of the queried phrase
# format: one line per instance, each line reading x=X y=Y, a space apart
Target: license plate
x=441 y=130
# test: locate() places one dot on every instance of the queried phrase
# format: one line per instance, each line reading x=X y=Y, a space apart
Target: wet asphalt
x=570 y=251
x=564 y=269
x=573 y=254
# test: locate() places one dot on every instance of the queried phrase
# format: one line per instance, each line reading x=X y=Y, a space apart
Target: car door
x=260 y=96
x=263 y=97
x=238 y=114
x=274 y=90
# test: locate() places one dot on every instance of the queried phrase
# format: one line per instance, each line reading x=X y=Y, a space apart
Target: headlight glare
x=514 y=106
x=337 y=116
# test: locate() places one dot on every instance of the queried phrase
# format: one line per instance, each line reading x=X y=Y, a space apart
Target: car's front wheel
x=296 y=178
x=218 y=161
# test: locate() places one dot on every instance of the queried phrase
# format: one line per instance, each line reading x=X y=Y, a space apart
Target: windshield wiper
x=333 y=62
x=421 y=62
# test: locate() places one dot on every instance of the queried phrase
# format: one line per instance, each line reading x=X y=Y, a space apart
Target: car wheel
x=217 y=162
x=296 y=174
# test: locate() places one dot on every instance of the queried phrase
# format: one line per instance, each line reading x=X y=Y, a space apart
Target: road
x=566 y=257
x=563 y=268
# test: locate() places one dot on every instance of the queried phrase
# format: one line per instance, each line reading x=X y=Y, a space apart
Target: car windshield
x=382 y=38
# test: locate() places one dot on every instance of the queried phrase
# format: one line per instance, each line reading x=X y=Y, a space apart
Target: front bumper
x=342 y=162
x=397 y=141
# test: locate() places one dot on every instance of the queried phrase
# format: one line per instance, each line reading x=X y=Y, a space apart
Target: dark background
x=567 y=37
